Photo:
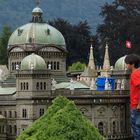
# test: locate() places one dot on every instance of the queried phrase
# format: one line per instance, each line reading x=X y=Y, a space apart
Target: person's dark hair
x=133 y=59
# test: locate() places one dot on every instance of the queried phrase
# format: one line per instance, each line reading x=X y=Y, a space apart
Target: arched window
x=54 y=66
x=27 y=86
x=41 y=111
x=10 y=129
x=48 y=64
x=51 y=65
x=12 y=66
x=21 y=86
x=114 y=127
x=3 y=129
x=44 y=85
x=24 y=86
x=5 y=114
x=10 y=114
x=15 y=129
x=37 y=85
x=40 y=85
x=24 y=113
x=58 y=67
x=101 y=128
x=15 y=114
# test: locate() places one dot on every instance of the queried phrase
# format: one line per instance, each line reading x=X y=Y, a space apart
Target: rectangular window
x=41 y=112
x=24 y=113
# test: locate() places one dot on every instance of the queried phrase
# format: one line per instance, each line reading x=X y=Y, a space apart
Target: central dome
x=36 y=33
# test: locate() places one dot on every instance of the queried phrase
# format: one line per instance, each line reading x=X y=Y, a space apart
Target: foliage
x=77 y=38
x=62 y=121
x=77 y=66
x=17 y=13
x=121 y=22
x=4 y=37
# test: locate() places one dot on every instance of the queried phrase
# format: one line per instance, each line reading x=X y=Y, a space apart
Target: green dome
x=120 y=64
x=37 y=33
x=33 y=61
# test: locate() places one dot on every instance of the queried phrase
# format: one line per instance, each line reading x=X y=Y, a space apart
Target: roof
x=37 y=10
x=33 y=61
x=88 y=72
x=120 y=64
x=36 y=33
x=7 y=90
x=67 y=85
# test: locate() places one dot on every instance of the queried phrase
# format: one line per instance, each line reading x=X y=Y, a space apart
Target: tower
x=89 y=73
x=106 y=64
x=40 y=38
x=33 y=85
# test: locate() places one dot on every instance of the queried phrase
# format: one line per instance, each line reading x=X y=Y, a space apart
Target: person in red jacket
x=133 y=63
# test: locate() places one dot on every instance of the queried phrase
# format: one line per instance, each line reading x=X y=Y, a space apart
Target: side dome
x=120 y=64
x=33 y=61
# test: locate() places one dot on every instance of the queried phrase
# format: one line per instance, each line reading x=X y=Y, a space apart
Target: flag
x=128 y=44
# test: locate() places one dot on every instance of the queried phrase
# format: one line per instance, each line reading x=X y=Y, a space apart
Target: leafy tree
x=77 y=38
x=121 y=22
x=62 y=121
x=77 y=66
x=4 y=37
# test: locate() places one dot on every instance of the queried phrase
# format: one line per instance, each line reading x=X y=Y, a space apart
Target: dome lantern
x=37 y=15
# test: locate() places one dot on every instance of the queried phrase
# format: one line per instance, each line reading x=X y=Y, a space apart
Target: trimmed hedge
x=62 y=121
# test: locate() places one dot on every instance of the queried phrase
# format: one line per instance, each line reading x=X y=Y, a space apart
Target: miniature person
x=133 y=62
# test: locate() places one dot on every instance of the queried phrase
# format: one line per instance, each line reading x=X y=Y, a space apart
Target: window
x=15 y=129
x=10 y=129
x=44 y=85
x=21 y=86
x=12 y=66
x=54 y=65
x=100 y=127
x=58 y=66
x=51 y=65
x=24 y=113
x=24 y=86
x=48 y=64
x=41 y=111
x=10 y=114
x=5 y=114
x=15 y=114
x=37 y=86
x=27 y=86
x=41 y=85
x=114 y=127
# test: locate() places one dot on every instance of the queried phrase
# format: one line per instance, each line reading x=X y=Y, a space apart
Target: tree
x=77 y=66
x=121 y=22
x=62 y=121
x=77 y=38
x=4 y=37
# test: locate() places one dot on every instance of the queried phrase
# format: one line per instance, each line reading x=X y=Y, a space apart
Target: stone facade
x=24 y=101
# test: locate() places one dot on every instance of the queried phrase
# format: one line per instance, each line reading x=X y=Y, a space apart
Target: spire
x=91 y=63
x=106 y=64
x=37 y=2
